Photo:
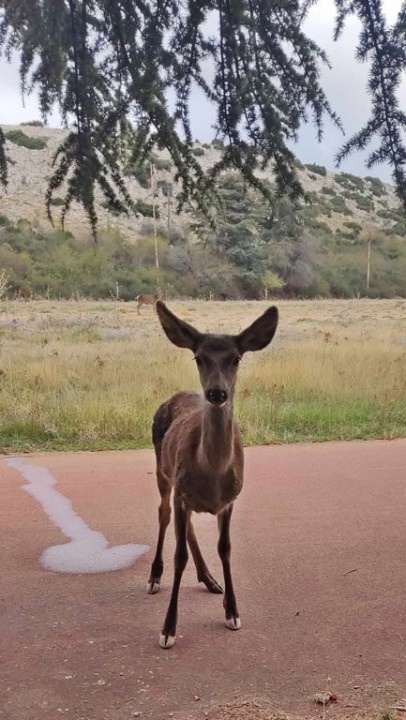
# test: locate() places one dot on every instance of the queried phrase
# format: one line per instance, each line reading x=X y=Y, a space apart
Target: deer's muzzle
x=216 y=396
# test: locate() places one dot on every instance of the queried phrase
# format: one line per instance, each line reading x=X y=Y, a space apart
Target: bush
x=377 y=186
x=354 y=180
x=142 y=175
x=364 y=203
x=19 y=138
x=32 y=123
x=56 y=201
x=328 y=190
x=318 y=169
x=217 y=143
x=160 y=163
x=165 y=187
x=354 y=226
x=145 y=209
x=338 y=205
x=341 y=180
x=198 y=152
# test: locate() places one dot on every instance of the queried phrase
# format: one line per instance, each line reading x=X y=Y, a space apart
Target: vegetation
x=105 y=63
x=81 y=375
x=32 y=123
x=318 y=169
x=26 y=141
x=253 y=250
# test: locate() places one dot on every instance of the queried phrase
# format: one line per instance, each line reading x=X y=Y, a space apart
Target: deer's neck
x=217 y=439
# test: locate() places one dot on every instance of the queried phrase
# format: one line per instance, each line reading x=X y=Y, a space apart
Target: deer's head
x=218 y=356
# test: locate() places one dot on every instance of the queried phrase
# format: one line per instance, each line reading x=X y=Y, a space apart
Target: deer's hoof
x=167 y=641
x=211 y=584
x=153 y=587
x=233 y=623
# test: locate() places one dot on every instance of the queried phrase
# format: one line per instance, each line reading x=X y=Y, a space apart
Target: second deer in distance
x=146 y=300
x=199 y=453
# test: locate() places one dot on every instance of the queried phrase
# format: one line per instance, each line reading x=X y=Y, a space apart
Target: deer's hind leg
x=164 y=514
x=203 y=573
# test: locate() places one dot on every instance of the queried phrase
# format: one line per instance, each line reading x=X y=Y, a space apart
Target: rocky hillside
x=339 y=198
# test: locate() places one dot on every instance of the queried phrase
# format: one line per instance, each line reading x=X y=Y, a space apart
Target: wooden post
x=153 y=192
x=369 y=260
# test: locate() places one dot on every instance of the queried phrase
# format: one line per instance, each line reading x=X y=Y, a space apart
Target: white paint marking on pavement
x=87 y=551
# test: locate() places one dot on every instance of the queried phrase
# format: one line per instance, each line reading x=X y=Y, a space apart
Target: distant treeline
x=253 y=251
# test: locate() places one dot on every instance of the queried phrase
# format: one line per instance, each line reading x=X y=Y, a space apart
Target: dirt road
x=319 y=562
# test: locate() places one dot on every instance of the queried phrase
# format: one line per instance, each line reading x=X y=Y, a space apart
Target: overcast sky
x=344 y=84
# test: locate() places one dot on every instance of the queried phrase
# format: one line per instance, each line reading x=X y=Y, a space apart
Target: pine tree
x=110 y=63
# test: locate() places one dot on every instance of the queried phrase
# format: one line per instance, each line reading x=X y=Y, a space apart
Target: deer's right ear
x=179 y=332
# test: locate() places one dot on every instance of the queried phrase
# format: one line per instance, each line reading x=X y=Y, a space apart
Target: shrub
x=341 y=180
x=165 y=187
x=328 y=190
x=338 y=205
x=19 y=138
x=318 y=169
x=56 y=201
x=354 y=226
x=354 y=180
x=399 y=228
x=141 y=174
x=364 y=203
x=217 y=143
x=145 y=209
x=198 y=152
x=377 y=186
x=32 y=123
x=160 y=163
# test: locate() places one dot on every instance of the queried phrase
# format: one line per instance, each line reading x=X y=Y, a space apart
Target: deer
x=199 y=455
x=146 y=300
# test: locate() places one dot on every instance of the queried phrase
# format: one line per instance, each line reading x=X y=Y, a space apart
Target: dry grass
x=91 y=374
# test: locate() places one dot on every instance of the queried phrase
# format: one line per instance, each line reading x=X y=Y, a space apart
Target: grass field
x=89 y=375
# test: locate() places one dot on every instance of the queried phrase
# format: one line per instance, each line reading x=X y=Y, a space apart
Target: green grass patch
x=65 y=388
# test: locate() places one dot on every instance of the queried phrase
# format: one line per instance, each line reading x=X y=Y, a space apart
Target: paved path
x=319 y=561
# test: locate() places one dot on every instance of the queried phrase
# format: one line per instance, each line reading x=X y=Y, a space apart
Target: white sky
x=344 y=84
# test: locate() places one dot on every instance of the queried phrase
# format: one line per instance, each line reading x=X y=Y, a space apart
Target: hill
x=319 y=248
x=338 y=197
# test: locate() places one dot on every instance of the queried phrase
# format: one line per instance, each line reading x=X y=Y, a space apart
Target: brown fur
x=146 y=300
x=199 y=454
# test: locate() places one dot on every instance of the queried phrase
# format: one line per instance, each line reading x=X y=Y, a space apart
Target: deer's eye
x=199 y=361
x=236 y=361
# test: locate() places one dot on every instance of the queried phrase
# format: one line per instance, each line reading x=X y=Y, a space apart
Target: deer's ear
x=260 y=333
x=180 y=333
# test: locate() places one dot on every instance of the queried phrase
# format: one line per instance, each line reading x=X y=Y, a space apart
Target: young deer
x=199 y=452
x=146 y=300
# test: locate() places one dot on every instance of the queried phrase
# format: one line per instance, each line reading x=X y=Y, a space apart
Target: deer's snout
x=216 y=396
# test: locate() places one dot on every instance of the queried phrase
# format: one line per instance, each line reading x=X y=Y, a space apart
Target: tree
x=109 y=65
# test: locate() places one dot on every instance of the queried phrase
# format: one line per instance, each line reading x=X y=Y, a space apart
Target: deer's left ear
x=260 y=333
x=178 y=331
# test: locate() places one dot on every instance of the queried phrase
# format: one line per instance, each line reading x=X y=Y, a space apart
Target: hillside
x=348 y=240
x=338 y=197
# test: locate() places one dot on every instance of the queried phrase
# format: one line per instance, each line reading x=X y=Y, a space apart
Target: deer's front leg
x=168 y=636
x=233 y=621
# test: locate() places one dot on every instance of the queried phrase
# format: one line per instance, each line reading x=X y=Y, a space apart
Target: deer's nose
x=216 y=396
